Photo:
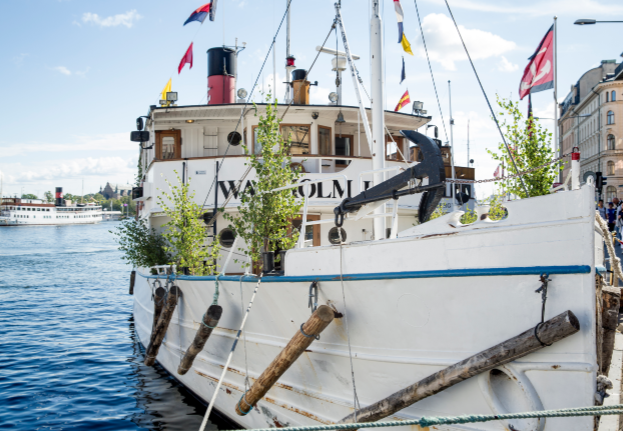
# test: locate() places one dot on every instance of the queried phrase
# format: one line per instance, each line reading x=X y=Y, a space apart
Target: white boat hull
x=415 y=305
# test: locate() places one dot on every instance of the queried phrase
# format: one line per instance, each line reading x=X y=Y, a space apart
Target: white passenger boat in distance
x=36 y=212
x=421 y=317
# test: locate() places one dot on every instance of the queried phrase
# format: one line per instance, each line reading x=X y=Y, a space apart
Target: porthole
x=234 y=138
x=334 y=235
x=227 y=237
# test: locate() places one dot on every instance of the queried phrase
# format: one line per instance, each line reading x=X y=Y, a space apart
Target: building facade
x=592 y=119
x=115 y=191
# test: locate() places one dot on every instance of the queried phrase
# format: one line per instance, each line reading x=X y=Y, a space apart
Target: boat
x=410 y=297
x=36 y=212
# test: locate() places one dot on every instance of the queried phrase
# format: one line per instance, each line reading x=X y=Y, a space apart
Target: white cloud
x=107 y=142
x=128 y=19
x=104 y=167
x=19 y=59
x=444 y=44
x=538 y=8
x=506 y=66
x=63 y=70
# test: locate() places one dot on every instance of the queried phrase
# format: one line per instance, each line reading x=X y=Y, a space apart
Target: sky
x=76 y=74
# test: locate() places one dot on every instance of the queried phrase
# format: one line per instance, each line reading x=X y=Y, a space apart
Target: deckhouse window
x=394 y=148
x=299 y=137
x=168 y=144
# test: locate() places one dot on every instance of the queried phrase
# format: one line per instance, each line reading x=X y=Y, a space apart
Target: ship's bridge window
x=299 y=137
x=168 y=144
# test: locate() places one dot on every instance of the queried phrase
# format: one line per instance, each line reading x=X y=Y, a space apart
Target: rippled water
x=69 y=356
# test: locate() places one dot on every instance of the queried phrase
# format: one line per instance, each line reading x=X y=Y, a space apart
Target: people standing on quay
x=601 y=209
x=612 y=213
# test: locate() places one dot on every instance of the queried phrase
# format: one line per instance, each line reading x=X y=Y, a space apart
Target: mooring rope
x=615 y=262
x=448 y=420
x=231 y=354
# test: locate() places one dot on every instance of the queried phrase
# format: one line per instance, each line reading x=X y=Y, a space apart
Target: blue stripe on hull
x=468 y=272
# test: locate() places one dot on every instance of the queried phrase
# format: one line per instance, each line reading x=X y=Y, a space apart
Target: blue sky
x=76 y=74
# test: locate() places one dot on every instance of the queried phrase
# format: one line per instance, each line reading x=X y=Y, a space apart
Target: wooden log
x=160 y=330
x=611 y=297
x=318 y=321
x=132 y=280
x=209 y=322
x=158 y=304
x=550 y=331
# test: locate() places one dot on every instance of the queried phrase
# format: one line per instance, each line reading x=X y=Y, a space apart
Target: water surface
x=69 y=356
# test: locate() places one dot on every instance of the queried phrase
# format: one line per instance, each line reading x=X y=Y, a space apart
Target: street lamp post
x=585 y=21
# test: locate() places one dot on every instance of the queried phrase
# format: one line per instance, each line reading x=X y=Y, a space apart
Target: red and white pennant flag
x=539 y=73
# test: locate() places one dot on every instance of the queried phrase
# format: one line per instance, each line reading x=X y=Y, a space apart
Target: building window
x=168 y=144
x=610 y=168
x=607 y=97
x=610 y=117
x=324 y=141
x=298 y=134
x=611 y=142
x=611 y=193
x=343 y=147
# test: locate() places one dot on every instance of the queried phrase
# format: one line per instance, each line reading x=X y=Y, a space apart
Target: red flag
x=404 y=101
x=539 y=73
x=188 y=58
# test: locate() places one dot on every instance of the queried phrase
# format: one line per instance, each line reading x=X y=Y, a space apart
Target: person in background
x=612 y=214
x=601 y=209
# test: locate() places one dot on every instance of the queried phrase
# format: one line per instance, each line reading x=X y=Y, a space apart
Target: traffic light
x=598 y=181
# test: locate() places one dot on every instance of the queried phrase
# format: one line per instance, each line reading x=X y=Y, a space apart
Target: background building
x=115 y=191
x=592 y=119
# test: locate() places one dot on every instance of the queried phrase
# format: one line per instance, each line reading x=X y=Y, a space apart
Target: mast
x=289 y=68
x=467 y=143
x=453 y=187
x=378 y=120
x=556 y=144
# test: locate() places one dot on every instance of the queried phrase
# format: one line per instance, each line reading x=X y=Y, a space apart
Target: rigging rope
x=448 y=420
x=229 y=358
x=356 y=404
x=430 y=68
x=495 y=118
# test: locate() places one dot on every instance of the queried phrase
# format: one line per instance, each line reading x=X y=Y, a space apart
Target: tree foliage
x=143 y=247
x=49 y=197
x=264 y=218
x=530 y=144
x=185 y=231
x=497 y=211
x=29 y=196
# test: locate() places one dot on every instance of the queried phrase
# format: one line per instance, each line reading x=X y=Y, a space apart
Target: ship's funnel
x=300 y=87
x=59 y=197
x=221 y=76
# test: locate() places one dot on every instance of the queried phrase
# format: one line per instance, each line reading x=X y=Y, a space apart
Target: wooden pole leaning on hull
x=549 y=332
x=132 y=280
x=303 y=338
x=208 y=323
x=161 y=327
